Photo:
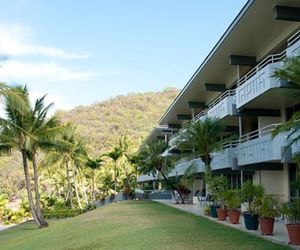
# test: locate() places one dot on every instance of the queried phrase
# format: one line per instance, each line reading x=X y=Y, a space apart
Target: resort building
x=235 y=83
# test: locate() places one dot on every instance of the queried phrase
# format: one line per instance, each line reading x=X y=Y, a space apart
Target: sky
x=81 y=52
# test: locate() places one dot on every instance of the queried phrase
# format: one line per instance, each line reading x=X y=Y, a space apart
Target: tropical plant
x=115 y=154
x=250 y=193
x=151 y=161
x=292 y=211
x=70 y=153
x=232 y=199
x=267 y=206
x=203 y=137
x=217 y=186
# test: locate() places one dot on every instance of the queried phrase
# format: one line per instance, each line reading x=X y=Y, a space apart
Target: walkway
x=280 y=233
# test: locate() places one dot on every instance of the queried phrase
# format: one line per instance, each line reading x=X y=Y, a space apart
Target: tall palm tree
x=94 y=164
x=44 y=133
x=70 y=152
x=20 y=130
x=115 y=154
x=204 y=138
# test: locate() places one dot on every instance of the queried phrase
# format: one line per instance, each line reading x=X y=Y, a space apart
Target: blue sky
x=81 y=52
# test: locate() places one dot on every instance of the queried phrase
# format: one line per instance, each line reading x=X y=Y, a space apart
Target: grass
x=132 y=225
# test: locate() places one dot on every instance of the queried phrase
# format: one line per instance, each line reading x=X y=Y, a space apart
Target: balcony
x=145 y=178
x=293 y=45
x=183 y=164
x=258 y=146
x=223 y=106
x=259 y=80
x=226 y=158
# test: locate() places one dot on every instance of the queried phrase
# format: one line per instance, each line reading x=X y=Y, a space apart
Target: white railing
x=198 y=116
x=230 y=92
x=268 y=60
x=295 y=38
x=259 y=132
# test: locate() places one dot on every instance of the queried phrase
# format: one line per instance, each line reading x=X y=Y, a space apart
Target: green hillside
x=102 y=124
x=133 y=115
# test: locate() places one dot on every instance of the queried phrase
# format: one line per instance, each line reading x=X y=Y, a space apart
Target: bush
x=89 y=207
x=62 y=213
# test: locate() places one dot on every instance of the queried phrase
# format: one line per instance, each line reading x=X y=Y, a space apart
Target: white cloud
x=59 y=101
x=20 y=71
x=24 y=71
x=16 y=40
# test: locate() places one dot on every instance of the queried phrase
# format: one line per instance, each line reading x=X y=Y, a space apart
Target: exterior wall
x=272 y=181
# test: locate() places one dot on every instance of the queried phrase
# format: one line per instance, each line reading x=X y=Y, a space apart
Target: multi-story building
x=235 y=83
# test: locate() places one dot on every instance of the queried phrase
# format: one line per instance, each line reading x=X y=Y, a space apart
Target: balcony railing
x=294 y=45
x=268 y=60
x=259 y=146
x=223 y=106
x=200 y=116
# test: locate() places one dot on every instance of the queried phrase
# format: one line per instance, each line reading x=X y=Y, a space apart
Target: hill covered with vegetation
x=101 y=125
x=133 y=115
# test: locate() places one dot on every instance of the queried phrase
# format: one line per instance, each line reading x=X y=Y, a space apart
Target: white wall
x=273 y=182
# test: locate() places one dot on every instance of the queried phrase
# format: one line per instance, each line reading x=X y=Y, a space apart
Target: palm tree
x=94 y=164
x=20 y=131
x=204 y=138
x=70 y=152
x=115 y=154
x=151 y=161
x=44 y=133
x=291 y=73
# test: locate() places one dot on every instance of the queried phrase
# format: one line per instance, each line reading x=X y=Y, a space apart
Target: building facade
x=235 y=83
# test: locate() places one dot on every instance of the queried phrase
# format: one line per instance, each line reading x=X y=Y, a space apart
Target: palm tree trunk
x=69 y=185
x=84 y=194
x=44 y=223
x=76 y=188
x=93 y=186
x=28 y=187
x=115 y=180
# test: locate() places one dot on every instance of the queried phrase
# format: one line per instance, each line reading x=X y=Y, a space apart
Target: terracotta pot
x=234 y=216
x=266 y=226
x=222 y=214
x=294 y=233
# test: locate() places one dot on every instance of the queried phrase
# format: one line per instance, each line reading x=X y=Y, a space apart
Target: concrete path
x=3 y=227
x=280 y=234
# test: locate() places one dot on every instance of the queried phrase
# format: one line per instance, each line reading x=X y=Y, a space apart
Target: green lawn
x=132 y=225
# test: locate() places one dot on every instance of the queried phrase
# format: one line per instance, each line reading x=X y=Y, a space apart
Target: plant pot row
x=252 y=221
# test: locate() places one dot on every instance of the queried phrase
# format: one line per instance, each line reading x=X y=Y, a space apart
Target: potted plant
x=249 y=193
x=216 y=186
x=232 y=203
x=267 y=209
x=292 y=211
